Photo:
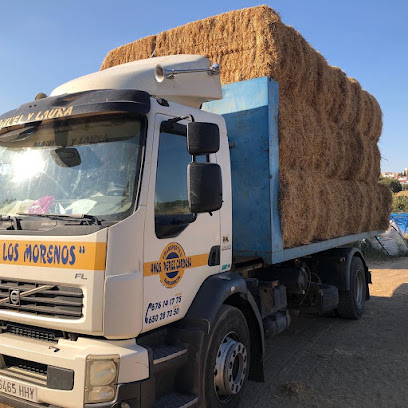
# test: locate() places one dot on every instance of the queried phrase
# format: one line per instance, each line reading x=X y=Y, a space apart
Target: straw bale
x=254 y=42
x=368 y=118
x=356 y=208
x=376 y=165
x=363 y=203
x=338 y=210
x=336 y=159
x=374 y=118
x=341 y=92
x=384 y=207
x=315 y=208
x=314 y=138
x=291 y=62
x=324 y=146
x=298 y=207
x=329 y=126
x=322 y=99
x=309 y=141
x=370 y=159
x=140 y=49
x=294 y=152
x=350 y=155
x=229 y=33
x=355 y=113
x=325 y=228
x=357 y=154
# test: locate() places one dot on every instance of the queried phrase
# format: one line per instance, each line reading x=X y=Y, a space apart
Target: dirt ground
x=330 y=362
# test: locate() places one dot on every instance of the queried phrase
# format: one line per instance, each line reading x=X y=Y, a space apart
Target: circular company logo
x=173 y=261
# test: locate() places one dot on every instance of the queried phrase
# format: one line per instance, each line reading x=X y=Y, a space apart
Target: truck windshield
x=78 y=166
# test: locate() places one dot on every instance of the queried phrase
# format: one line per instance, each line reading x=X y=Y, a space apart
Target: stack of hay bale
x=328 y=125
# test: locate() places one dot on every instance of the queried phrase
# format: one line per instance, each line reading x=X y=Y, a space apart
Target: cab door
x=181 y=249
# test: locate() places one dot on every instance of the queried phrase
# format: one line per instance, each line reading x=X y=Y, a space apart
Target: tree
x=392 y=183
x=400 y=204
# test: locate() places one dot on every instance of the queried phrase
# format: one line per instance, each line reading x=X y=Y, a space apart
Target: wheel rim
x=230 y=367
x=359 y=285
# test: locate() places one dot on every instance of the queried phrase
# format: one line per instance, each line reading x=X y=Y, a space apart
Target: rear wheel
x=227 y=364
x=352 y=302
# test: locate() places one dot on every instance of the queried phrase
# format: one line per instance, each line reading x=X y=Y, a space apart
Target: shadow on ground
x=330 y=362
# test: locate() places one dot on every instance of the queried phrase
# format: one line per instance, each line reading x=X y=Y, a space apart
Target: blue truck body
x=250 y=109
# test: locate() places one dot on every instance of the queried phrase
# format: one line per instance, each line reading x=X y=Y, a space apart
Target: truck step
x=176 y=400
x=164 y=352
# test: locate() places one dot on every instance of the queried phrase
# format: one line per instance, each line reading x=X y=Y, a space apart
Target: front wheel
x=226 y=367
x=352 y=302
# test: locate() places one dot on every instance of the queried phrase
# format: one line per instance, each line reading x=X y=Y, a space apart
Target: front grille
x=56 y=301
x=31 y=332
x=23 y=370
x=14 y=362
x=36 y=373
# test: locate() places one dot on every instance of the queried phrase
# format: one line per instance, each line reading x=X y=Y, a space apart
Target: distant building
x=406 y=171
x=403 y=181
x=390 y=174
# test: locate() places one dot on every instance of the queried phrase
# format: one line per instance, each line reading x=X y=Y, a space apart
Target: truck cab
x=98 y=239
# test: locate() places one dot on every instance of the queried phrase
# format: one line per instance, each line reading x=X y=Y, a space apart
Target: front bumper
x=131 y=393
x=71 y=355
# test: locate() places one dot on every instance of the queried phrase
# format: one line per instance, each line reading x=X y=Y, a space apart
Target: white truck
x=141 y=257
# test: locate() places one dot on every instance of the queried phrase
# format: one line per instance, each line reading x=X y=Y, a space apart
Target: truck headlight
x=101 y=378
x=102 y=372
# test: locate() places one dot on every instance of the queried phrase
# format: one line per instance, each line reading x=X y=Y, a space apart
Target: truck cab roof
x=190 y=89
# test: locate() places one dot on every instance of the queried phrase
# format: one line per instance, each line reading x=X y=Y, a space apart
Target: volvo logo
x=14 y=297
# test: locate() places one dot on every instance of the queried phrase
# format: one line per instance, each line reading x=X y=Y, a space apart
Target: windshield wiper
x=87 y=218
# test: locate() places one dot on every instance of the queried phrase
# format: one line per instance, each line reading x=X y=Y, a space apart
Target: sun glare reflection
x=27 y=165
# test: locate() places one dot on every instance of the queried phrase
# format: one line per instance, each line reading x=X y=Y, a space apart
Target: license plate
x=18 y=389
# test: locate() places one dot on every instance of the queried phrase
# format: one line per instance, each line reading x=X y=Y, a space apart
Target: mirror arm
x=175 y=120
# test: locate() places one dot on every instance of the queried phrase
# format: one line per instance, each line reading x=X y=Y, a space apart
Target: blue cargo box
x=250 y=109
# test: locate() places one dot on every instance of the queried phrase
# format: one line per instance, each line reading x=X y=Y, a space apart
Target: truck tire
x=226 y=367
x=352 y=302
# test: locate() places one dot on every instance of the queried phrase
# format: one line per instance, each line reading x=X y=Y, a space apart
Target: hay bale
x=383 y=208
x=325 y=228
x=294 y=152
x=298 y=207
x=323 y=99
x=374 y=129
x=328 y=125
x=355 y=113
x=315 y=208
x=308 y=141
x=370 y=170
x=140 y=49
x=356 y=208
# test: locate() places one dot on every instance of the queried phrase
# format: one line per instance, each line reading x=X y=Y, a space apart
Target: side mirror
x=202 y=138
x=204 y=187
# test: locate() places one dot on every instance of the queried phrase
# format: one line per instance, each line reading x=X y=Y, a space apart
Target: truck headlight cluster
x=101 y=378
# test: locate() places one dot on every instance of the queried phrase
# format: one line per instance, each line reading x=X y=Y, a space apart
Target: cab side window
x=171 y=208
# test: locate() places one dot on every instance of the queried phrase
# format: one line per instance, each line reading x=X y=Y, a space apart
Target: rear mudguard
x=333 y=267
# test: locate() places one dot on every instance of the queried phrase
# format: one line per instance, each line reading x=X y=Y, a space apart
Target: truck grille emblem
x=14 y=297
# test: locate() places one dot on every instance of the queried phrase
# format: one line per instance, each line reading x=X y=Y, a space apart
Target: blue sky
x=45 y=43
